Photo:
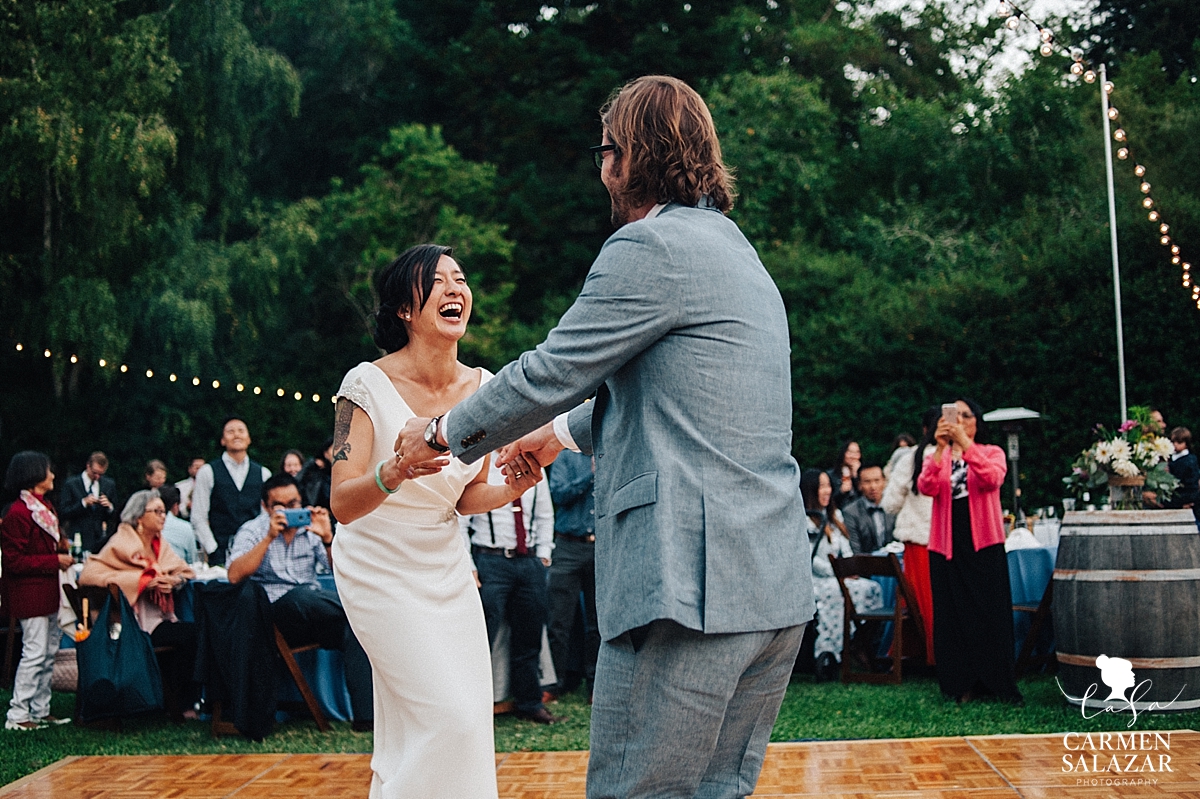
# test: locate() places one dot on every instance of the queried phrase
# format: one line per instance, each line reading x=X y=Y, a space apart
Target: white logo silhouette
x=1117 y=674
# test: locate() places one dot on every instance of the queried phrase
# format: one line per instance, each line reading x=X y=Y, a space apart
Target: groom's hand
x=542 y=445
x=411 y=449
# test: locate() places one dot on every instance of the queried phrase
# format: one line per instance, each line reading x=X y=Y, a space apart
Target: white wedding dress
x=404 y=576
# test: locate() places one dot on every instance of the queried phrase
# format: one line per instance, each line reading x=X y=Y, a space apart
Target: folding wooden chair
x=903 y=613
x=1026 y=660
x=288 y=653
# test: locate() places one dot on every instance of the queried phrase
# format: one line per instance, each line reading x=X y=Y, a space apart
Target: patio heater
x=1011 y=420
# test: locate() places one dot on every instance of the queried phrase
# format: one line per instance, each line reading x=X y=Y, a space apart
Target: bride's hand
x=522 y=473
x=541 y=444
x=394 y=471
x=411 y=449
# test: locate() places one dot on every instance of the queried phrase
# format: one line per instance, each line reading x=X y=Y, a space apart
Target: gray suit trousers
x=680 y=713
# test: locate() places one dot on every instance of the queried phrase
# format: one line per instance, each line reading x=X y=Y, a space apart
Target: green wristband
x=379 y=479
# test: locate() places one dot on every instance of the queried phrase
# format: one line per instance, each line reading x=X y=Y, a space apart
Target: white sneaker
x=21 y=726
x=53 y=720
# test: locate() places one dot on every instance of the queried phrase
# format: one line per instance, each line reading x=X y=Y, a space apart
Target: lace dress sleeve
x=355 y=390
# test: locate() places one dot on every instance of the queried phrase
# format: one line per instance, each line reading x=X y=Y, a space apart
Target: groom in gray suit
x=702 y=577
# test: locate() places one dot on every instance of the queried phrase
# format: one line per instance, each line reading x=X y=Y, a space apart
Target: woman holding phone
x=968 y=568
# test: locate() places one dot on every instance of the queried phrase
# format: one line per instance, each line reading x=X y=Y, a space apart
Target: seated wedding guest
x=913 y=513
x=868 y=525
x=968 y=568
x=148 y=574
x=155 y=475
x=34 y=553
x=284 y=561
x=844 y=476
x=1185 y=468
x=292 y=463
x=827 y=536
x=176 y=532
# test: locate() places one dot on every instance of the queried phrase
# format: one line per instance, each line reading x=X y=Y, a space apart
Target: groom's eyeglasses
x=598 y=152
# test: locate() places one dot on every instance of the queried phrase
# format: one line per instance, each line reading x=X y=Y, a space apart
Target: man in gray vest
x=703 y=582
x=228 y=491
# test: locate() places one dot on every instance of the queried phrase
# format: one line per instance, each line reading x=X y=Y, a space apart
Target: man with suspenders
x=511 y=547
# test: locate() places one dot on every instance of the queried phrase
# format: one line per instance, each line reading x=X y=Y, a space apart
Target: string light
x=173 y=378
x=195 y=381
x=149 y=373
x=21 y=347
x=240 y=387
x=216 y=384
x=316 y=397
x=1089 y=76
x=124 y=368
x=1123 y=153
x=46 y=353
x=103 y=363
x=74 y=359
x=280 y=392
x=1139 y=170
x=1119 y=134
x=1145 y=187
x=257 y=389
x=299 y=396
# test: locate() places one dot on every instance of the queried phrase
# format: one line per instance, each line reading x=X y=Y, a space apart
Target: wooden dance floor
x=986 y=767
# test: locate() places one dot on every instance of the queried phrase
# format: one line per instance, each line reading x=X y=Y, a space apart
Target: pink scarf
x=43 y=516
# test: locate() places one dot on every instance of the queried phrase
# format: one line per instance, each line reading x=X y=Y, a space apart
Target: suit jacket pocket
x=641 y=490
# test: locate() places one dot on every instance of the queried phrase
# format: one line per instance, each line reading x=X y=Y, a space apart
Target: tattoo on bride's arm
x=341 y=429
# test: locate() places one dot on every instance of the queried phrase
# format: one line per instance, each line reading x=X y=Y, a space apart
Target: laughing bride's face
x=448 y=307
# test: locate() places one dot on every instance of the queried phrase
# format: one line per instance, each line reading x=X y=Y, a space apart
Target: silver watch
x=431 y=431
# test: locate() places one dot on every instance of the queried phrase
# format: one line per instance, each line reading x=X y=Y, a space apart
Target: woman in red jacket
x=33 y=557
x=968 y=568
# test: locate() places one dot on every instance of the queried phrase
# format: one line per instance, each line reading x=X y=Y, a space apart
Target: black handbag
x=118 y=673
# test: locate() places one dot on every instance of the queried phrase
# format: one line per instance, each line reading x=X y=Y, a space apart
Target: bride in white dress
x=403 y=571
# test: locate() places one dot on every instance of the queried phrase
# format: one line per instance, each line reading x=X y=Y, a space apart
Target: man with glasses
x=285 y=560
x=702 y=580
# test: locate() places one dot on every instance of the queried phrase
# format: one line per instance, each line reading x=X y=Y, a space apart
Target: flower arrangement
x=1128 y=461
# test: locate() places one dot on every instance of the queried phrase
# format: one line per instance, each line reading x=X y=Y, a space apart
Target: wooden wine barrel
x=1127 y=584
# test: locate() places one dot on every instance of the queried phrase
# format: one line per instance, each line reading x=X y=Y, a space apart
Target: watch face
x=431 y=431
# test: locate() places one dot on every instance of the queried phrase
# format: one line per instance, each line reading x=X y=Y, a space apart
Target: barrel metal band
x=1126 y=575
x=1127 y=530
x=1138 y=663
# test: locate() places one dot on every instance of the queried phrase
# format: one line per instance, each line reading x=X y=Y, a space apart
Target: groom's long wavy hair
x=667 y=146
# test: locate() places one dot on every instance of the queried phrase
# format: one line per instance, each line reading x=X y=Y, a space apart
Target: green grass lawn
x=810 y=711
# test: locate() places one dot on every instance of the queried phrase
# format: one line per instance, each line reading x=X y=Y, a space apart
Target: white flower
x=1121 y=451
x=1103 y=452
x=1146 y=452
x=1125 y=468
x=1164 y=447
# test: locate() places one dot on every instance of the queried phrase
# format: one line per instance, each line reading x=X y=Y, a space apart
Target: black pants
x=179 y=690
x=514 y=590
x=573 y=572
x=315 y=616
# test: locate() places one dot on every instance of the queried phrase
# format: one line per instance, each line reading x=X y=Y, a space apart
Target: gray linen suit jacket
x=682 y=336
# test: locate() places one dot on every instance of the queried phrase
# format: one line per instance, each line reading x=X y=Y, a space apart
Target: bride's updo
x=411 y=273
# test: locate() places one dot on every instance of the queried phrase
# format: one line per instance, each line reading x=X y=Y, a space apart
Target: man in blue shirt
x=573 y=571
x=285 y=560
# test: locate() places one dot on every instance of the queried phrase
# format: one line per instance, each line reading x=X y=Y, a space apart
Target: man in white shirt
x=227 y=492
x=187 y=486
x=512 y=547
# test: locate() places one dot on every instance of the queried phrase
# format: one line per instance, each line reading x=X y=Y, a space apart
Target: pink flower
x=1128 y=425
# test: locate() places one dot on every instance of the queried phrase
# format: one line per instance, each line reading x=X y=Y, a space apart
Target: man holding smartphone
x=281 y=549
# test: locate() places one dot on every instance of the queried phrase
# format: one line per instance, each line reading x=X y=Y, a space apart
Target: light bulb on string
x=1108 y=87
x=1147 y=202
x=1164 y=240
x=258 y=389
x=22 y=346
x=298 y=396
x=1145 y=187
x=195 y=381
x=1123 y=153
x=149 y=373
x=1077 y=56
x=1004 y=10
x=316 y=397
x=1046 y=49
x=1153 y=216
x=240 y=387
x=279 y=392
x=1046 y=34
x=1175 y=249
x=1013 y=22
x=1113 y=113
x=1119 y=134
x=173 y=377
x=333 y=400
x=216 y=384
x=124 y=368
x=46 y=353
x=1077 y=68
x=103 y=362
x=1175 y=259
x=1139 y=170
x=1089 y=77
x=1164 y=227
x=74 y=359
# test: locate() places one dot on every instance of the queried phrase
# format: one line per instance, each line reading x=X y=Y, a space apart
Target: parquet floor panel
x=976 y=767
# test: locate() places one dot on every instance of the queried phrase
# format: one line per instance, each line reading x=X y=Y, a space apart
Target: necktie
x=519 y=521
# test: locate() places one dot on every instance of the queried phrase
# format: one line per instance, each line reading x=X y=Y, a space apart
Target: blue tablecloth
x=1029 y=572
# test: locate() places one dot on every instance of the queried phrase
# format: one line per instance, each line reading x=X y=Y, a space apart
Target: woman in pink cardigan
x=968 y=569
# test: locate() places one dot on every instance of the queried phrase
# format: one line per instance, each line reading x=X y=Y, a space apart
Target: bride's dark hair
x=411 y=273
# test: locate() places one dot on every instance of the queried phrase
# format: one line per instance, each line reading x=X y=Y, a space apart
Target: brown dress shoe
x=539 y=716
